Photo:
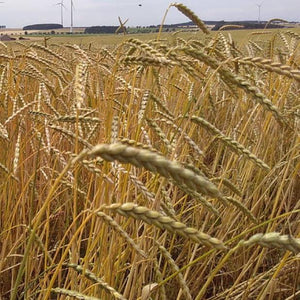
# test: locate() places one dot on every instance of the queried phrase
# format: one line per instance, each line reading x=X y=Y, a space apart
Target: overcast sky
x=19 y=13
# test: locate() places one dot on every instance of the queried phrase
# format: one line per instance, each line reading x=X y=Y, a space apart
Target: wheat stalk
x=231 y=26
x=239 y=81
x=275 y=20
x=144 y=103
x=91 y=276
x=163 y=222
x=49 y=51
x=157 y=164
x=236 y=146
x=3 y=132
x=191 y=15
x=274 y=240
x=145 y=60
x=242 y=208
x=73 y=294
x=73 y=119
x=268 y=64
x=5 y=169
x=71 y=134
x=175 y=268
x=160 y=134
x=19 y=112
x=48 y=99
x=81 y=70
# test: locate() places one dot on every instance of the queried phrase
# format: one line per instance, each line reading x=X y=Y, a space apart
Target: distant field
x=102 y=40
x=18 y=31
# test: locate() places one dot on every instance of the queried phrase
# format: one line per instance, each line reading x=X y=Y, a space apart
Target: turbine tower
x=72 y=21
x=61 y=4
x=259 y=10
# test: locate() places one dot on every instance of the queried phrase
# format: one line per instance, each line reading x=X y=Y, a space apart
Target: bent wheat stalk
x=123 y=233
x=91 y=276
x=234 y=80
x=175 y=268
x=158 y=164
x=73 y=294
x=236 y=146
x=191 y=15
x=274 y=240
x=163 y=222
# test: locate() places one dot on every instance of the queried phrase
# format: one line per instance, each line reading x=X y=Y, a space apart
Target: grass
x=151 y=168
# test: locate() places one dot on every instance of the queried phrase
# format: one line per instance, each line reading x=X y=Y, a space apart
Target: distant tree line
x=247 y=25
x=101 y=29
x=42 y=27
x=154 y=28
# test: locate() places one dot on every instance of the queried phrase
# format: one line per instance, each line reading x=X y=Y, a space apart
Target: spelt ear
x=191 y=15
x=154 y=218
x=157 y=164
x=274 y=240
x=73 y=294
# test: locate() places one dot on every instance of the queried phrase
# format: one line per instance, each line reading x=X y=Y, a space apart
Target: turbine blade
x=118 y=29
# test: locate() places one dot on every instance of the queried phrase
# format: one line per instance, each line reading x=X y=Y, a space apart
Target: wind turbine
x=2 y=26
x=72 y=21
x=259 y=10
x=61 y=4
x=122 y=26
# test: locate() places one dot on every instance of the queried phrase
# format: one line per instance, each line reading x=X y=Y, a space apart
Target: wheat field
x=159 y=169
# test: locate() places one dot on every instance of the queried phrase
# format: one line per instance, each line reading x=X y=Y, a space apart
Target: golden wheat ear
x=274 y=240
x=157 y=164
x=191 y=15
x=91 y=276
x=73 y=294
x=166 y=223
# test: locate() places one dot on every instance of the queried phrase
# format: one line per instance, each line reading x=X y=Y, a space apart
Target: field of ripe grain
x=159 y=169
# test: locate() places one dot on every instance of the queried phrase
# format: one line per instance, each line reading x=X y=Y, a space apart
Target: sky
x=19 y=13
